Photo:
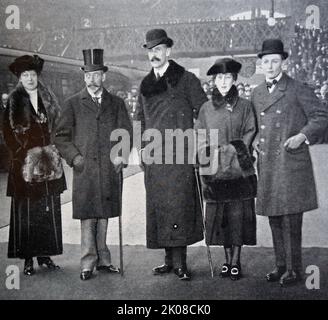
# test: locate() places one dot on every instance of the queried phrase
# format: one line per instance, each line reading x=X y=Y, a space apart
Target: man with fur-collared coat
x=170 y=97
x=290 y=118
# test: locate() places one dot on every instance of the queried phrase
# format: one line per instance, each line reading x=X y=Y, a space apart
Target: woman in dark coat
x=36 y=177
x=230 y=192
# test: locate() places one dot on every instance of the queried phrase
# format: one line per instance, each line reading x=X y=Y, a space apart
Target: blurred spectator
x=241 y=89
x=248 y=91
x=4 y=99
x=318 y=93
x=121 y=94
x=4 y=154
x=324 y=90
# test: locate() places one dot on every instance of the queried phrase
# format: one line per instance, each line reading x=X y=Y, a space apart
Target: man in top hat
x=290 y=117
x=83 y=138
x=169 y=98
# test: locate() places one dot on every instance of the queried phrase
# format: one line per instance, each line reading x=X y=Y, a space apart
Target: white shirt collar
x=98 y=95
x=162 y=69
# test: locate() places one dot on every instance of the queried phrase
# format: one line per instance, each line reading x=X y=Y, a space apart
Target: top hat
x=225 y=65
x=273 y=46
x=93 y=60
x=154 y=37
x=25 y=63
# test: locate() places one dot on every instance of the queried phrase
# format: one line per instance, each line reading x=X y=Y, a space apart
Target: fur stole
x=20 y=113
x=150 y=86
x=230 y=98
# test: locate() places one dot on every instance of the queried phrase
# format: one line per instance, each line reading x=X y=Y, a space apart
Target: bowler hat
x=93 y=60
x=273 y=46
x=225 y=65
x=154 y=37
x=25 y=63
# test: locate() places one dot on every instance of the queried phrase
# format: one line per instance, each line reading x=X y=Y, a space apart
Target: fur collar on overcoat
x=230 y=98
x=150 y=86
x=20 y=112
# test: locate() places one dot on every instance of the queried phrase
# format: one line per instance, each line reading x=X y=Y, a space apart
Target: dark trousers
x=287 y=240
x=176 y=257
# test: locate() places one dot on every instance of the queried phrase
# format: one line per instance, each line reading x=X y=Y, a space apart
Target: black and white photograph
x=172 y=151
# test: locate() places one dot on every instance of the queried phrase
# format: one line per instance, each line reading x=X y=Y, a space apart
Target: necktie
x=96 y=100
x=270 y=84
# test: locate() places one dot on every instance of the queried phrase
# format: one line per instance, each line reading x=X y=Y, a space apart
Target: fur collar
x=150 y=86
x=231 y=97
x=20 y=112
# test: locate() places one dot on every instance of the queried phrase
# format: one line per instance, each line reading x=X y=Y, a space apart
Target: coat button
x=278 y=111
x=277 y=125
x=262 y=153
x=262 y=139
x=175 y=226
x=262 y=126
x=262 y=114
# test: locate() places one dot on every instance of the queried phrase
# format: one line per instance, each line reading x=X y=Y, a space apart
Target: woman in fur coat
x=36 y=177
x=230 y=190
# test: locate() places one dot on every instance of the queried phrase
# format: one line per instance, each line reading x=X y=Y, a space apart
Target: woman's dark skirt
x=35 y=227
x=231 y=223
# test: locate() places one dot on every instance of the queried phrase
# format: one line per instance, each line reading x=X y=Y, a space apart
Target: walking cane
x=203 y=220
x=120 y=222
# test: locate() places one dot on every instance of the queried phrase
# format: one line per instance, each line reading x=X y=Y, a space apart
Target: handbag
x=42 y=164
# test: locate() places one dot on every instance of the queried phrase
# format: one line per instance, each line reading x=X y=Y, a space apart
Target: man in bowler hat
x=83 y=138
x=170 y=98
x=290 y=117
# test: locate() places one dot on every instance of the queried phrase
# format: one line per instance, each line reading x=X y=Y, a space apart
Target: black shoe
x=28 y=267
x=276 y=274
x=235 y=272
x=110 y=269
x=183 y=274
x=225 y=270
x=85 y=275
x=165 y=268
x=290 y=277
x=47 y=262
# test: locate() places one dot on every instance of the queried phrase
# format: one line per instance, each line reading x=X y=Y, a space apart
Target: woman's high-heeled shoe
x=28 y=267
x=235 y=272
x=47 y=262
x=225 y=270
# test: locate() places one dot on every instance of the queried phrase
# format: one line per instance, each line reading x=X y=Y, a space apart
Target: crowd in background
x=308 y=58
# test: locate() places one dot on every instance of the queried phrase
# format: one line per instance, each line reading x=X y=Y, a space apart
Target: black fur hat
x=225 y=65
x=25 y=63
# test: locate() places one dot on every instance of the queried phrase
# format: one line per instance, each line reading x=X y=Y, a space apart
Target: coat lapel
x=268 y=99
x=106 y=102
x=87 y=101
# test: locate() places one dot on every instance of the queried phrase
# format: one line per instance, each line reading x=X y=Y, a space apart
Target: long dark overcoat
x=234 y=119
x=286 y=182
x=173 y=210
x=85 y=129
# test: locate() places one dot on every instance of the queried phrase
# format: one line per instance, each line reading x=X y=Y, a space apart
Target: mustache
x=93 y=85
x=155 y=59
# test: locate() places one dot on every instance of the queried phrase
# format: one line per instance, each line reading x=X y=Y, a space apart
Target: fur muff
x=42 y=164
x=150 y=86
x=235 y=177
